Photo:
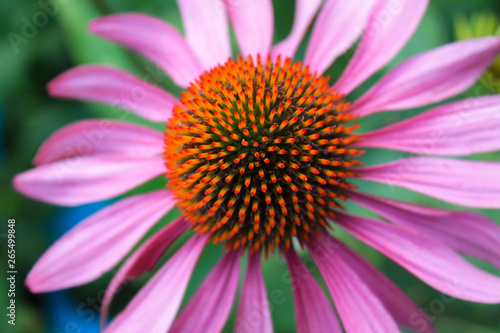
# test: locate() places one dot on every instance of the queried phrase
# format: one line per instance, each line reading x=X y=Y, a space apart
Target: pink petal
x=467 y=183
x=254 y=315
x=313 y=310
x=143 y=260
x=100 y=137
x=470 y=233
x=359 y=308
x=98 y=243
x=155 y=40
x=404 y=311
x=115 y=87
x=432 y=262
x=84 y=179
x=430 y=77
x=390 y=26
x=305 y=10
x=462 y=128
x=337 y=27
x=154 y=308
x=206 y=30
x=209 y=308
x=253 y=25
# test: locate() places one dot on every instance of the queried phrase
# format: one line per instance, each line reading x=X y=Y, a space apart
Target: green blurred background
x=40 y=41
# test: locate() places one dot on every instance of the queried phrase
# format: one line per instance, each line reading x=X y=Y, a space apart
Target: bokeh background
x=40 y=39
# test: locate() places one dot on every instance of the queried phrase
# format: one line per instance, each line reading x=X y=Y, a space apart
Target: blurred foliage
x=40 y=39
x=481 y=24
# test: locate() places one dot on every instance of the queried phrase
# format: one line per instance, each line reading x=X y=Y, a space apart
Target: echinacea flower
x=260 y=153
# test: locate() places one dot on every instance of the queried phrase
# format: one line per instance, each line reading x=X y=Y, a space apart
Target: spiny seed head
x=259 y=153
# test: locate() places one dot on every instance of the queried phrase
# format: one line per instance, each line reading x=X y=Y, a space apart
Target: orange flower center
x=258 y=154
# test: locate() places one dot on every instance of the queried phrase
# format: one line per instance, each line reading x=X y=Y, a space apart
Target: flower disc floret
x=259 y=153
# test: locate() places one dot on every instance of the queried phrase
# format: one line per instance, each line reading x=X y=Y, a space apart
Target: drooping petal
x=337 y=27
x=359 y=308
x=390 y=26
x=430 y=77
x=100 y=137
x=209 y=308
x=469 y=233
x=462 y=128
x=253 y=25
x=432 y=262
x=85 y=179
x=155 y=40
x=154 y=308
x=313 y=310
x=98 y=243
x=254 y=315
x=142 y=260
x=467 y=183
x=115 y=87
x=305 y=10
x=404 y=311
x=206 y=28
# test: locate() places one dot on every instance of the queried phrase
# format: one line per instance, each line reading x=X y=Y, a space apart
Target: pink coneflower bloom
x=259 y=152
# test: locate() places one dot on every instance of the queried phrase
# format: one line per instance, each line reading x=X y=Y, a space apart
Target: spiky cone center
x=258 y=153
